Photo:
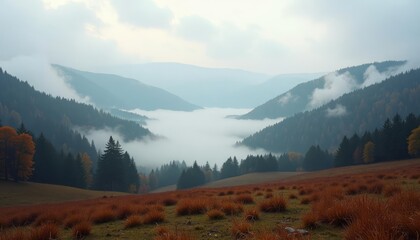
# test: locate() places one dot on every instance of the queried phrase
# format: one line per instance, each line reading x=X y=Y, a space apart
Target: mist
x=336 y=85
x=205 y=135
x=37 y=71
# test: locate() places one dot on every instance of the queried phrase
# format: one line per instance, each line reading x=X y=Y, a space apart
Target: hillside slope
x=300 y=98
x=111 y=91
x=57 y=118
x=356 y=112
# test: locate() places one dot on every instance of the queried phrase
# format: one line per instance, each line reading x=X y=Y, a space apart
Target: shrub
x=275 y=204
x=240 y=229
x=103 y=215
x=13 y=234
x=215 y=214
x=309 y=220
x=124 y=211
x=169 y=201
x=49 y=217
x=231 y=208
x=191 y=206
x=44 y=231
x=252 y=214
x=154 y=217
x=391 y=190
x=244 y=199
x=81 y=230
x=132 y=221
x=72 y=220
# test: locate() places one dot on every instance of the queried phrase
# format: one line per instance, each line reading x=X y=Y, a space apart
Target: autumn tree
x=414 y=142
x=87 y=169
x=16 y=154
x=369 y=152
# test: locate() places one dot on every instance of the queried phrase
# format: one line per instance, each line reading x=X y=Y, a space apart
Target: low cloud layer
x=336 y=85
x=203 y=135
x=338 y=111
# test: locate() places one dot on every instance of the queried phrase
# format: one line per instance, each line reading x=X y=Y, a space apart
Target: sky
x=267 y=36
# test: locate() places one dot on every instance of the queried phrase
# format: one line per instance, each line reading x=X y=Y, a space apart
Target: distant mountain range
x=212 y=87
x=355 y=112
x=109 y=91
x=317 y=92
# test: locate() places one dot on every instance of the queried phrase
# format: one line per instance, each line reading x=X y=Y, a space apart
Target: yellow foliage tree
x=414 y=142
x=369 y=152
x=87 y=168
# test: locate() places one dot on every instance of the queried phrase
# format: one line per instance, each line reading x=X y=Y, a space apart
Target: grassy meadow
x=377 y=201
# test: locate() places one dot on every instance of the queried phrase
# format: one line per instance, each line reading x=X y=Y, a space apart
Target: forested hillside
x=299 y=98
x=356 y=112
x=112 y=91
x=57 y=118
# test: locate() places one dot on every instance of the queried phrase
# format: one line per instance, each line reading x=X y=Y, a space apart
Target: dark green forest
x=365 y=110
x=301 y=94
x=57 y=117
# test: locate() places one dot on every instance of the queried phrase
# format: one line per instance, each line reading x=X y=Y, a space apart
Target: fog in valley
x=202 y=135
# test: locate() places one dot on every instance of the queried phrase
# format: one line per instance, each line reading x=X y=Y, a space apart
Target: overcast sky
x=268 y=36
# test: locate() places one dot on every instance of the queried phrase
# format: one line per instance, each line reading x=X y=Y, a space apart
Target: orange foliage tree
x=16 y=154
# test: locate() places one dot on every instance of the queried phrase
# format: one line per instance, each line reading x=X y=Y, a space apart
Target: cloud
x=335 y=85
x=196 y=28
x=143 y=13
x=37 y=71
x=338 y=111
x=287 y=98
x=203 y=135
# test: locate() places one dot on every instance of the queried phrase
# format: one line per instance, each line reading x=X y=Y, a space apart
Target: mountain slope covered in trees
x=299 y=98
x=111 y=91
x=57 y=118
x=356 y=112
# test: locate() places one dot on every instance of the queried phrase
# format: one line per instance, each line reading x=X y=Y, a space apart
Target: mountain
x=110 y=91
x=208 y=87
x=57 y=118
x=317 y=92
x=355 y=112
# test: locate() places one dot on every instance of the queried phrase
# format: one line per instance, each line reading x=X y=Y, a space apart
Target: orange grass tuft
x=231 y=208
x=244 y=199
x=132 y=221
x=215 y=214
x=44 y=231
x=275 y=204
x=154 y=217
x=191 y=206
x=103 y=215
x=82 y=229
x=240 y=229
x=252 y=214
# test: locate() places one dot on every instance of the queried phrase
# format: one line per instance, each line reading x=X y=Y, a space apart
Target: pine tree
x=109 y=174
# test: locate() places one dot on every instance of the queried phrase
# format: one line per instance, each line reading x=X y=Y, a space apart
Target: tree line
x=24 y=157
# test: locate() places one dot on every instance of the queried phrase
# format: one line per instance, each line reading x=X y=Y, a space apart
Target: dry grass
x=81 y=230
x=191 y=206
x=244 y=199
x=45 y=231
x=252 y=214
x=275 y=204
x=153 y=217
x=132 y=221
x=215 y=214
x=240 y=229
x=103 y=215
